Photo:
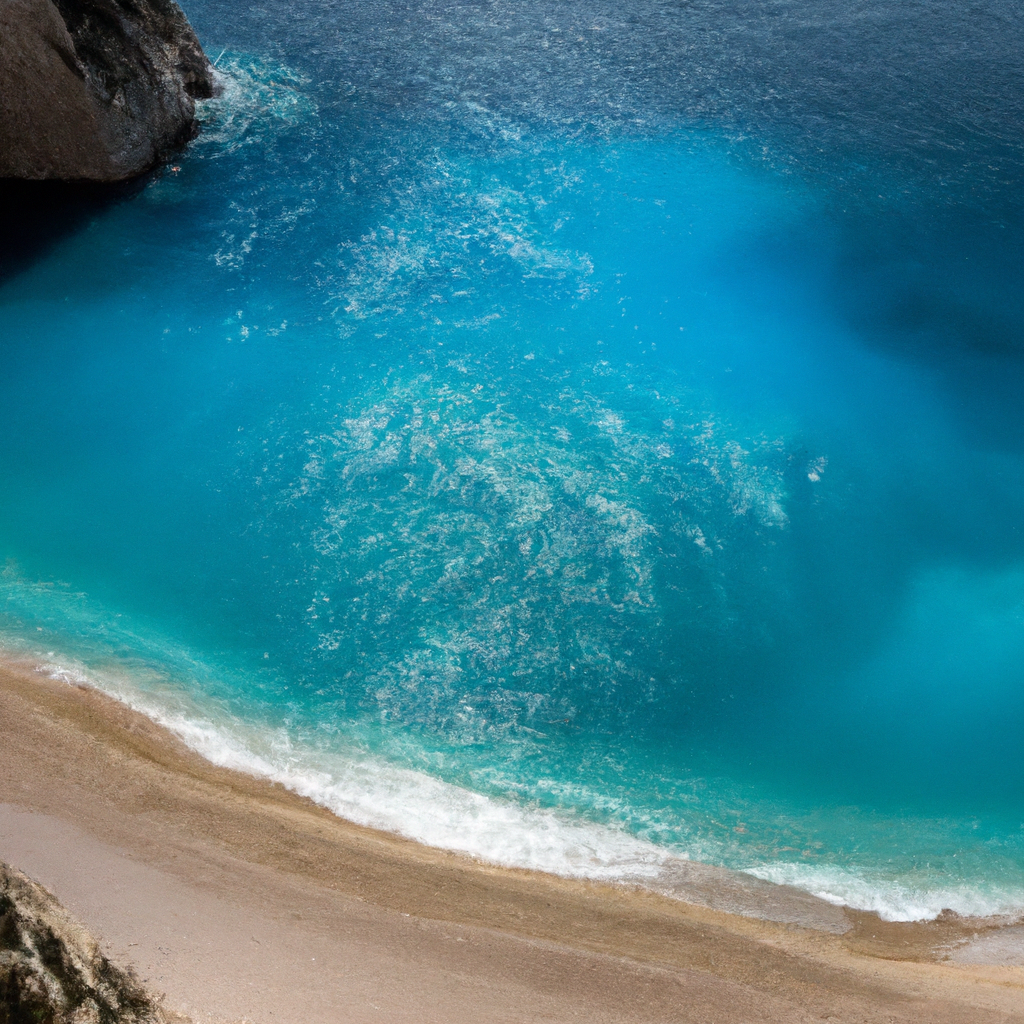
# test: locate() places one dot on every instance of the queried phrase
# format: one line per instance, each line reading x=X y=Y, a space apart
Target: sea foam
x=892 y=898
x=371 y=791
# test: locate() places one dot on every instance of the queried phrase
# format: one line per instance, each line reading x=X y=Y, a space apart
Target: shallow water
x=578 y=435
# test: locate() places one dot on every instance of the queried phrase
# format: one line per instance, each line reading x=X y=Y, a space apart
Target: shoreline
x=76 y=759
x=614 y=858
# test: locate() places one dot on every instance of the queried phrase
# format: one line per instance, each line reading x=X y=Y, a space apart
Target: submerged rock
x=96 y=90
x=52 y=970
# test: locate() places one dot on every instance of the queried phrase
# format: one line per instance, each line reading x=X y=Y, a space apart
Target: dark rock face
x=96 y=90
x=52 y=971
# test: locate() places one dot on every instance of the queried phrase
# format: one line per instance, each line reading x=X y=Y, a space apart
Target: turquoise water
x=579 y=436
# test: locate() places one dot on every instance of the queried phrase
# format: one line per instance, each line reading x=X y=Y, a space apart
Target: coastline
x=91 y=789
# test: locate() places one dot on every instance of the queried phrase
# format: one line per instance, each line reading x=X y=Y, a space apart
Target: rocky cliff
x=96 y=90
x=51 y=969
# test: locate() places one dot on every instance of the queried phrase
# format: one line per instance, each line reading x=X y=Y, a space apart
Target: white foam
x=370 y=791
x=255 y=97
x=893 y=899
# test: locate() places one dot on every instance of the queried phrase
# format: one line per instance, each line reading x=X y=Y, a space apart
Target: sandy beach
x=241 y=901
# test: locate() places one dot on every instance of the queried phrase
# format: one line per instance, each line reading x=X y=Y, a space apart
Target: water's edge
x=631 y=863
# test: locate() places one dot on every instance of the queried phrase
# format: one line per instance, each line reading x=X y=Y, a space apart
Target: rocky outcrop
x=96 y=90
x=51 y=969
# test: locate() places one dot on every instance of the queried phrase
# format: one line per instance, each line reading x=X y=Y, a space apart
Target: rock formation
x=51 y=969
x=96 y=90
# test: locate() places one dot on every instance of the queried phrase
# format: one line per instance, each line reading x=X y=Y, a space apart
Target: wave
x=895 y=899
x=371 y=791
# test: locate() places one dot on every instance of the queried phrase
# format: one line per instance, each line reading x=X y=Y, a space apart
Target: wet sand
x=240 y=900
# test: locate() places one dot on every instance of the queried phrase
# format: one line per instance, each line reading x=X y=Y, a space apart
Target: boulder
x=96 y=90
x=52 y=970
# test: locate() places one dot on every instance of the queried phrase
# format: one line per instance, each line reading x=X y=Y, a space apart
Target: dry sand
x=240 y=900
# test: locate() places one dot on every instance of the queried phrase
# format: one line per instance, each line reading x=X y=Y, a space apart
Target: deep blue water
x=578 y=434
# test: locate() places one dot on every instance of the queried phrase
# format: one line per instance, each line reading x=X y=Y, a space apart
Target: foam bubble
x=894 y=898
x=255 y=97
x=370 y=791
